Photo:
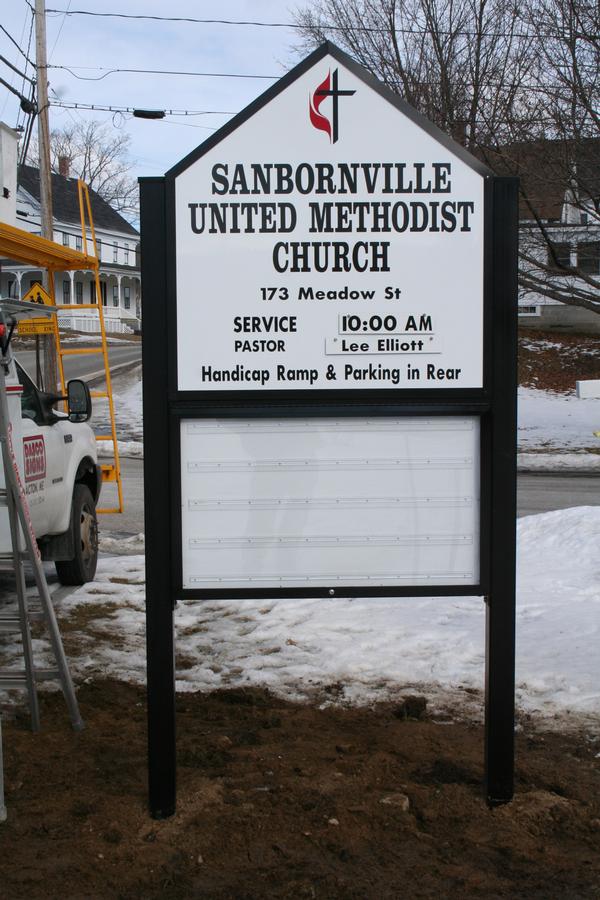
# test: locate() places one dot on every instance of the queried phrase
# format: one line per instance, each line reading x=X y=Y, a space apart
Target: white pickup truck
x=57 y=460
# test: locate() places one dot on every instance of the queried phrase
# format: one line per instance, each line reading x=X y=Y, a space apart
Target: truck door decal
x=22 y=494
x=34 y=457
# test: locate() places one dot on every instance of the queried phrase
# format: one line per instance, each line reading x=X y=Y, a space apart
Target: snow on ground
x=359 y=651
x=556 y=431
x=129 y=449
x=557 y=421
x=92 y=338
x=362 y=650
x=127 y=399
x=566 y=349
x=135 y=543
x=556 y=462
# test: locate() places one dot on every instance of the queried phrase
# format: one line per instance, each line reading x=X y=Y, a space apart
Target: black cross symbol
x=335 y=93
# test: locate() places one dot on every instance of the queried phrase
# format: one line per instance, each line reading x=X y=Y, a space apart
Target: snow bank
x=557 y=422
x=370 y=649
x=561 y=427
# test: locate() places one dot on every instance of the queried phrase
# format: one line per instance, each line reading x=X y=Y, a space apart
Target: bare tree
x=560 y=253
x=99 y=156
x=518 y=85
x=462 y=63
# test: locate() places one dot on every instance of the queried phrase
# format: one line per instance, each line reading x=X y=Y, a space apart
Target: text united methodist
x=347 y=216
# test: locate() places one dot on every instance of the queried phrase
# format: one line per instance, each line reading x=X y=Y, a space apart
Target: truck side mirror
x=79 y=401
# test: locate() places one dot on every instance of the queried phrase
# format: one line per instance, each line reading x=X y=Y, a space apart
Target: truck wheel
x=84 y=525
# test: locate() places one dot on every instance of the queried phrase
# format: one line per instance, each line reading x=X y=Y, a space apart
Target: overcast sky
x=86 y=44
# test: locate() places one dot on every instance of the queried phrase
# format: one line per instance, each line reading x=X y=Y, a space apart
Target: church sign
x=329 y=373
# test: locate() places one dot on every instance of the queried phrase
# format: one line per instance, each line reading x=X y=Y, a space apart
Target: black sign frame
x=164 y=407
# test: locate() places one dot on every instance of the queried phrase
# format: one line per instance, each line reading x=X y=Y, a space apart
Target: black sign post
x=224 y=352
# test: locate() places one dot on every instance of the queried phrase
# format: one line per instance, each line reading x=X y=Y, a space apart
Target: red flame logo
x=318 y=120
x=328 y=88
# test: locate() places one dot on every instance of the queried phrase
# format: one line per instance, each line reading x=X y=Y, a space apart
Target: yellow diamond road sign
x=37 y=294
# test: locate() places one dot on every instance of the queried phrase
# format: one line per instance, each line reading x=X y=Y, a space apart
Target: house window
x=588 y=257
x=126 y=255
x=562 y=251
x=529 y=310
x=115 y=294
x=102 y=292
x=12 y=288
x=66 y=292
x=78 y=242
x=79 y=292
x=127 y=297
x=99 y=248
x=115 y=252
x=65 y=238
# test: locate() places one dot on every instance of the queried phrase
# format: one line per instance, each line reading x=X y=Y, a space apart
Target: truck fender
x=85 y=472
x=90 y=474
x=60 y=546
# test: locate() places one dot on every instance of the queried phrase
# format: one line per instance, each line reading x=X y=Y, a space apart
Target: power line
x=18 y=71
x=293 y=25
x=31 y=22
x=62 y=24
x=26 y=105
x=322 y=27
x=99 y=107
x=73 y=71
x=153 y=72
x=187 y=19
x=22 y=52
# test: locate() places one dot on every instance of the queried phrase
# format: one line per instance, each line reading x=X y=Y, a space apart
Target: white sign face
x=329 y=242
x=330 y=502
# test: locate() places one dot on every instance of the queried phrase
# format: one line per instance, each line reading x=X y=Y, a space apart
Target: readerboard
x=329 y=375
x=329 y=242
x=333 y=503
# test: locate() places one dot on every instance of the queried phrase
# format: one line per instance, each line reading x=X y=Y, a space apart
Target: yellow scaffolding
x=22 y=246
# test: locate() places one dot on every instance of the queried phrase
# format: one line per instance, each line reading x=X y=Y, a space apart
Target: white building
x=559 y=232
x=118 y=252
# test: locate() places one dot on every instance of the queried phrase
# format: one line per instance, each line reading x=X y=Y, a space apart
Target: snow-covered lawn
x=364 y=650
x=555 y=430
x=557 y=421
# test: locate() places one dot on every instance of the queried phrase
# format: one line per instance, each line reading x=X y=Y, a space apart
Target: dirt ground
x=278 y=800
x=554 y=361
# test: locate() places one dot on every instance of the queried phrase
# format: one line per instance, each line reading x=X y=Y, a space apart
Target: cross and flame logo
x=328 y=88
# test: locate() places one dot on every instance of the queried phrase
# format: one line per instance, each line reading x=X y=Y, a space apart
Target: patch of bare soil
x=278 y=800
x=553 y=361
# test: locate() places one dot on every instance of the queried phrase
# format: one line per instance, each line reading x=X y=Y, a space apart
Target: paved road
x=535 y=494
x=84 y=366
x=131 y=521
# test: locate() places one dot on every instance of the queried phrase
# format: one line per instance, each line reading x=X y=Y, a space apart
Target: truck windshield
x=31 y=407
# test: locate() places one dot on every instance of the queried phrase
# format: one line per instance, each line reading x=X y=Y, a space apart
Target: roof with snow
x=65 y=201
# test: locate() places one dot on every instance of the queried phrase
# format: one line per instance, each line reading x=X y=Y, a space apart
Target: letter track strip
x=386 y=540
x=327 y=465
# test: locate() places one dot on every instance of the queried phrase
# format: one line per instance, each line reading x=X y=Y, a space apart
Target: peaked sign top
x=328 y=238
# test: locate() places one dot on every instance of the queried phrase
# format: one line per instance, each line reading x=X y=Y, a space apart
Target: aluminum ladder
x=13 y=496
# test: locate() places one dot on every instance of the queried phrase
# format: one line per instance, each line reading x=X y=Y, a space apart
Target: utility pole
x=50 y=371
